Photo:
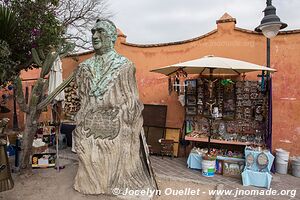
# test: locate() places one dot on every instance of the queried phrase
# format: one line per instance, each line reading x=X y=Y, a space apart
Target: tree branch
x=78 y=17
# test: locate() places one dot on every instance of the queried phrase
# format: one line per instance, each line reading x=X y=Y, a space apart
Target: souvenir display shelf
x=46 y=131
x=229 y=111
x=228 y=163
x=215 y=141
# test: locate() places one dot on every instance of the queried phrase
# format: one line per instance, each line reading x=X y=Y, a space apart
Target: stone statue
x=109 y=123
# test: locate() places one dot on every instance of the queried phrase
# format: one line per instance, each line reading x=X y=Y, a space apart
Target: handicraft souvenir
x=200 y=109
x=249 y=160
x=232 y=168
x=191 y=100
x=189 y=125
x=262 y=161
x=72 y=100
x=219 y=167
x=237 y=110
x=259 y=118
x=222 y=128
x=253 y=96
x=190 y=86
x=259 y=109
x=178 y=84
x=191 y=110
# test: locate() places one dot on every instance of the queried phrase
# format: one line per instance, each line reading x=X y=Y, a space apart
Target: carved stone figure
x=109 y=123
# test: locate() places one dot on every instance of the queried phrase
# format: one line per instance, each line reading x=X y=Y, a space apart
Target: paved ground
x=48 y=184
x=175 y=169
x=170 y=174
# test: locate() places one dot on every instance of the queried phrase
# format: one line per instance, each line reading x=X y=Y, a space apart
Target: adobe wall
x=231 y=42
x=225 y=41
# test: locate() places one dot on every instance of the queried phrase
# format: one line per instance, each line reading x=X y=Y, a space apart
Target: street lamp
x=269 y=26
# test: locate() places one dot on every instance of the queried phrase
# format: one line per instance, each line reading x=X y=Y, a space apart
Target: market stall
x=223 y=110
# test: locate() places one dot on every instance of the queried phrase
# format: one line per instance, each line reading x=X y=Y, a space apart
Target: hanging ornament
x=178 y=85
x=263 y=82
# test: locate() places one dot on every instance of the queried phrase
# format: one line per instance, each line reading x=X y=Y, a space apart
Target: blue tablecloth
x=194 y=161
x=253 y=176
x=259 y=179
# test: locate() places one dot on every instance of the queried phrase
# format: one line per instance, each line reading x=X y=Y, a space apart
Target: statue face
x=101 y=39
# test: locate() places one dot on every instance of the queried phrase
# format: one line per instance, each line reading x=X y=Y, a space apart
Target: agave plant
x=8 y=27
x=7 y=23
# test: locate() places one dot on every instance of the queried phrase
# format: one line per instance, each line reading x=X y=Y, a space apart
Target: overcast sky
x=157 y=21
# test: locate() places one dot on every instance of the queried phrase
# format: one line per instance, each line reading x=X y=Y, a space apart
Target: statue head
x=104 y=36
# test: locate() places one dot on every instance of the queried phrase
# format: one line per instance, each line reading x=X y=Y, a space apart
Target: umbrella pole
x=57 y=127
x=210 y=120
x=57 y=155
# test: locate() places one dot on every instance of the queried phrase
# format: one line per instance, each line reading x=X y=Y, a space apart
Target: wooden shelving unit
x=205 y=139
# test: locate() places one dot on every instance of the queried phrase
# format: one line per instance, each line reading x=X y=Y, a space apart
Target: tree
x=37 y=102
x=7 y=24
x=6 y=63
x=32 y=24
x=44 y=24
x=28 y=24
x=41 y=30
x=78 y=17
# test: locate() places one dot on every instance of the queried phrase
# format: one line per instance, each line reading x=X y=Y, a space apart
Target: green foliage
x=48 y=63
x=226 y=82
x=29 y=24
x=7 y=23
x=38 y=27
x=7 y=66
x=36 y=57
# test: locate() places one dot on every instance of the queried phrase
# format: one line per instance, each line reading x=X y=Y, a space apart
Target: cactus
x=66 y=49
x=36 y=104
x=36 y=57
x=20 y=95
x=41 y=54
x=48 y=63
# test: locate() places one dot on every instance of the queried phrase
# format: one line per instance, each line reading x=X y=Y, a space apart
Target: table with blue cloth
x=252 y=175
x=194 y=161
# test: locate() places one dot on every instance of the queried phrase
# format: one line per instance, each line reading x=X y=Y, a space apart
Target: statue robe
x=109 y=123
